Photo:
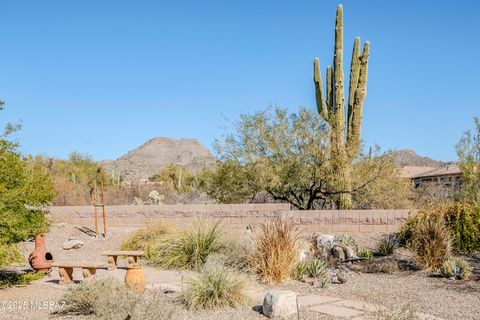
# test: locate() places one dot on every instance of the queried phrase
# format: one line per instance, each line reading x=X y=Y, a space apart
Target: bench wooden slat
x=88 y=265
x=122 y=253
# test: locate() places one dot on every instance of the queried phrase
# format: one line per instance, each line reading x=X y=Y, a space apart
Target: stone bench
x=65 y=270
x=132 y=257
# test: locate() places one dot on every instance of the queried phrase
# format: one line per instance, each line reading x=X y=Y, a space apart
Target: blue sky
x=102 y=77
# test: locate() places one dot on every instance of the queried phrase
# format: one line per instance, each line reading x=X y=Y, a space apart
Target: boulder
x=349 y=252
x=325 y=241
x=72 y=244
x=280 y=304
x=338 y=252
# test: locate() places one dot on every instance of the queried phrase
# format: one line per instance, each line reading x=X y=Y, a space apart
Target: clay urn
x=40 y=259
x=135 y=278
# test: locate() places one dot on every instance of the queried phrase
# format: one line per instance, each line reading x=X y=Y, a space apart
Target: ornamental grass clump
x=187 y=248
x=216 y=287
x=431 y=243
x=275 y=253
x=141 y=239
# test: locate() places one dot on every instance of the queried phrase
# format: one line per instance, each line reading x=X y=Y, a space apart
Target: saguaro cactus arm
x=355 y=125
x=354 y=73
x=317 y=78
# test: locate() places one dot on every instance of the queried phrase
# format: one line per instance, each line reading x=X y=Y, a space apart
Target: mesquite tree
x=345 y=133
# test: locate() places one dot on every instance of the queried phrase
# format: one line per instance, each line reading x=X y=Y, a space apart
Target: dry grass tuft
x=217 y=286
x=112 y=300
x=400 y=313
x=275 y=254
x=140 y=239
x=431 y=243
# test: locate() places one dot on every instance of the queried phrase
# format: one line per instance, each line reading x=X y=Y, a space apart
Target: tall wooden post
x=103 y=212
x=94 y=200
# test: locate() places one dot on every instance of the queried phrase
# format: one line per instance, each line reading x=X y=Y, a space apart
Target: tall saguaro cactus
x=345 y=124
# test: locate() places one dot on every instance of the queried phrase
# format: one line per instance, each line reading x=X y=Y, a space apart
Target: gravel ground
x=444 y=298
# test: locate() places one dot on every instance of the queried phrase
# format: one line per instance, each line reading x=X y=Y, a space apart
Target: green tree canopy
x=468 y=150
x=288 y=156
x=24 y=187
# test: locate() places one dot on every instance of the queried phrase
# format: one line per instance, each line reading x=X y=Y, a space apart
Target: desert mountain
x=148 y=159
x=408 y=157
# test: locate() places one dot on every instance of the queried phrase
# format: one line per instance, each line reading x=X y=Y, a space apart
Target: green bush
x=9 y=255
x=387 y=245
x=456 y=267
x=186 y=249
x=24 y=187
x=216 y=287
x=431 y=243
x=461 y=218
x=111 y=300
x=10 y=278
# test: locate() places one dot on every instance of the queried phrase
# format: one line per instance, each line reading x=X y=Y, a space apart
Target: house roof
x=451 y=169
x=412 y=171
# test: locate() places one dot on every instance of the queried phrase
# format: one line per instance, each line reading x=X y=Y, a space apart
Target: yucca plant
x=318 y=269
x=301 y=271
x=387 y=245
x=366 y=254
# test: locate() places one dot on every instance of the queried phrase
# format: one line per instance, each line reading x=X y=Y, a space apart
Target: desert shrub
x=141 y=238
x=347 y=240
x=236 y=252
x=216 y=287
x=275 y=253
x=387 y=245
x=456 y=267
x=9 y=254
x=400 y=313
x=431 y=243
x=366 y=254
x=111 y=300
x=10 y=278
x=187 y=248
x=461 y=218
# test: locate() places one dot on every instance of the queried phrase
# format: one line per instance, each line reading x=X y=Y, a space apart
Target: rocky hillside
x=408 y=157
x=146 y=160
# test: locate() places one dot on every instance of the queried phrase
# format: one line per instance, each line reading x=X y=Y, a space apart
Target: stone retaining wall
x=236 y=216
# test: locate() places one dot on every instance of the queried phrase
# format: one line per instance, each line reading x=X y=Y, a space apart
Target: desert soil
x=443 y=298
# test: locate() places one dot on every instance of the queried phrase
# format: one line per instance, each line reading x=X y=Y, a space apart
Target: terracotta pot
x=135 y=278
x=40 y=259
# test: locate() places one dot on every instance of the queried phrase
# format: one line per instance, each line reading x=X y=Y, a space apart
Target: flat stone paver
x=336 y=311
x=357 y=305
x=311 y=300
